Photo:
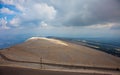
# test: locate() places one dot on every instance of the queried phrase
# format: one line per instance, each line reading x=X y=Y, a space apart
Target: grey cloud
x=87 y=12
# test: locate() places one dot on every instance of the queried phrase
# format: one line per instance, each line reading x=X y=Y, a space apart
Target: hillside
x=48 y=53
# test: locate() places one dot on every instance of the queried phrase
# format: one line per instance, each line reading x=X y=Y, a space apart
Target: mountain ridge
x=46 y=50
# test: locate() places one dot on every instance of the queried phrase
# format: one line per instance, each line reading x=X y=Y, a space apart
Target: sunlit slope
x=57 y=51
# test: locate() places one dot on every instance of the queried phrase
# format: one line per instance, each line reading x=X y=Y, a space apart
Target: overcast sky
x=69 y=18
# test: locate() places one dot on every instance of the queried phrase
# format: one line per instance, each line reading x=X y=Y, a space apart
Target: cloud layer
x=61 y=14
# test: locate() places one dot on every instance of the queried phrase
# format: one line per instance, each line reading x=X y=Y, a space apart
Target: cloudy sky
x=64 y=18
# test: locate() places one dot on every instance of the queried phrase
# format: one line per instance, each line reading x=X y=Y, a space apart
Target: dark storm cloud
x=87 y=12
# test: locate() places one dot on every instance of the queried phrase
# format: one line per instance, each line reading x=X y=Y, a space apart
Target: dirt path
x=4 y=70
x=62 y=65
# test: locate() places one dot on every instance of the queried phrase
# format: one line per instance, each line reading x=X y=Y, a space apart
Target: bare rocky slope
x=48 y=53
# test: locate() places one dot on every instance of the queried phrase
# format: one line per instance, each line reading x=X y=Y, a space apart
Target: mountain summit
x=55 y=41
x=54 y=54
